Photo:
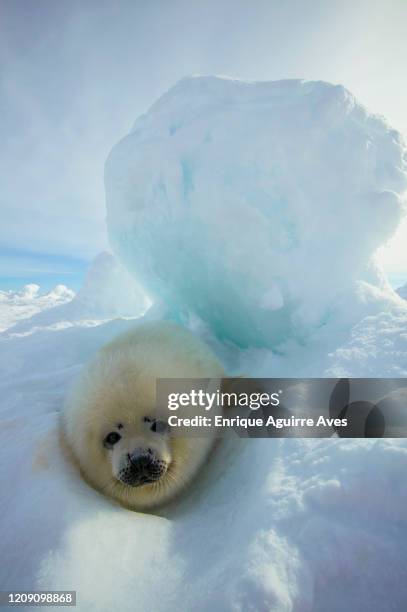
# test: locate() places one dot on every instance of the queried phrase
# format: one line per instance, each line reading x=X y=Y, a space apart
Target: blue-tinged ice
x=256 y=206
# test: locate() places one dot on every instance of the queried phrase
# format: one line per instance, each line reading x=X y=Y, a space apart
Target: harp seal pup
x=112 y=426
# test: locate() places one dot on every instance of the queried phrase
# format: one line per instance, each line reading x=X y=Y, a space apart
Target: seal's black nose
x=141 y=467
x=141 y=464
x=144 y=467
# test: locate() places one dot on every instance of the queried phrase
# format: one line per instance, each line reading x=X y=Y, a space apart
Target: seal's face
x=116 y=432
x=139 y=453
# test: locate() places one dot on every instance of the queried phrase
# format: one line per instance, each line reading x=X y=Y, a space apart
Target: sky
x=74 y=76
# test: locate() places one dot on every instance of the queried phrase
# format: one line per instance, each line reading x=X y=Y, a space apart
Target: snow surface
x=16 y=305
x=284 y=525
x=108 y=292
x=257 y=206
x=271 y=525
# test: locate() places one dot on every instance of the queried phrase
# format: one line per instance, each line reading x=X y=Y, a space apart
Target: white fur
x=119 y=386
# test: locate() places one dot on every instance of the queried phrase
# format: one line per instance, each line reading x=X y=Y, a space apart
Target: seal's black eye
x=111 y=439
x=159 y=427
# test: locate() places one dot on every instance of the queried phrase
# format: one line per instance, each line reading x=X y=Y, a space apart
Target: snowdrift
x=108 y=292
x=20 y=305
x=256 y=206
x=279 y=525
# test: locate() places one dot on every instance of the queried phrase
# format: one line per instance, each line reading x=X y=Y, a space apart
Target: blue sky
x=18 y=267
x=75 y=75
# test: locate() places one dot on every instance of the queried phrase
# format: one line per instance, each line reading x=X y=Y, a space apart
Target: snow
x=108 y=292
x=278 y=525
x=271 y=525
x=17 y=305
x=285 y=525
x=377 y=347
x=255 y=205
